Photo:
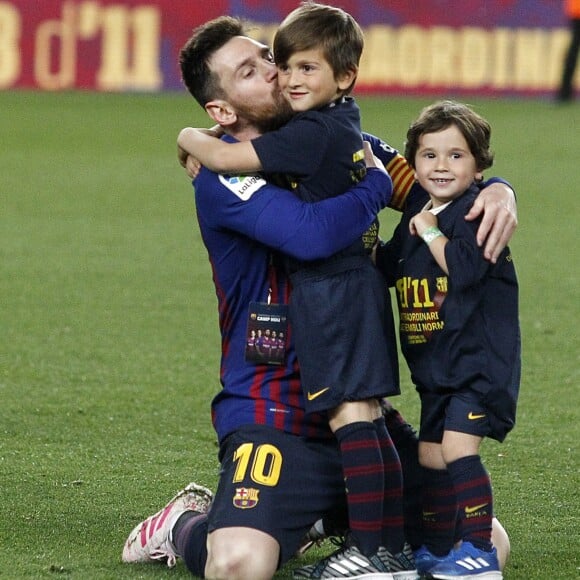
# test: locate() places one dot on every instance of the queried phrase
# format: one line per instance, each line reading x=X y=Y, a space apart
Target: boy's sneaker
x=347 y=563
x=425 y=560
x=401 y=565
x=467 y=562
x=151 y=539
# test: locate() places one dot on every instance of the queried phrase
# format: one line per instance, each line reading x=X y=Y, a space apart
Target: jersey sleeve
x=297 y=148
x=277 y=218
x=402 y=174
x=465 y=261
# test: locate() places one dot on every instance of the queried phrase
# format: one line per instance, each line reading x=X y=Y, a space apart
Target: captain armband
x=431 y=234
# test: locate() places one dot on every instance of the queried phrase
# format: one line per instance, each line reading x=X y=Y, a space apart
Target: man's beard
x=268 y=118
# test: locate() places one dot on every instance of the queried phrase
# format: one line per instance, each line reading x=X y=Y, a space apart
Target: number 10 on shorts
x=262 y=464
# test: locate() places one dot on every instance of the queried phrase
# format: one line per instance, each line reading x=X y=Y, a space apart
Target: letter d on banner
x=57 y=35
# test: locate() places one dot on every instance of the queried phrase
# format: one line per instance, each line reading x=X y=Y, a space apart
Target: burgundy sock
x=439 y=511
x=363 y=471
x=474 y=500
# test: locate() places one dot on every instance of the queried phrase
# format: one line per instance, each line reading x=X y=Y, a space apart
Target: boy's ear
x=347 y=79
x=221 y=112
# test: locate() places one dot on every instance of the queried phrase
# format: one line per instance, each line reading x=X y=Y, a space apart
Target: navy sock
x=439 y=511
x=363 y=471
x=474 y=500
x=189 y=539
x=393 y=522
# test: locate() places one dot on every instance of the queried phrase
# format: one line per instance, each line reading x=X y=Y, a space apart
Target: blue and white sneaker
x=467 y=562
x=425 y=560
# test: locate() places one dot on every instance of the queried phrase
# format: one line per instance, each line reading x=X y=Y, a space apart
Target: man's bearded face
x=248 y=78
x=268 y=116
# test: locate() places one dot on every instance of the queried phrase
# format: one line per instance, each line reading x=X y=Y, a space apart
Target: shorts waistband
x=330 y=267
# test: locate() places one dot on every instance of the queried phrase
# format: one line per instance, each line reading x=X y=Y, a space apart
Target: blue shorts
x=344 y=334
x=458 y=411
x=277 y=483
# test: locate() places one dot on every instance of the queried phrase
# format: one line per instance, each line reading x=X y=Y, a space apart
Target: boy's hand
x=182 y=156
x=421 y=221
x=371 y=161
x=191 y=165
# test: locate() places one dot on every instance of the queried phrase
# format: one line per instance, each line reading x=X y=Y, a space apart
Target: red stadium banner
x=432 y=46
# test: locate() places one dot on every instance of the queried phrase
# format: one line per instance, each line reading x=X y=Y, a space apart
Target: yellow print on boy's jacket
x=419 y=308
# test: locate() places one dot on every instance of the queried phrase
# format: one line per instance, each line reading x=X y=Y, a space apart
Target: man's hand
x=497 y=202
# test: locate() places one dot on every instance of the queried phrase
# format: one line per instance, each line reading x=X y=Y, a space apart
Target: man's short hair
x=194 y=57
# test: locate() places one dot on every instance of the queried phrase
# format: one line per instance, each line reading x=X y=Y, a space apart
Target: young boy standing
x=339 y=309
x=460 y=335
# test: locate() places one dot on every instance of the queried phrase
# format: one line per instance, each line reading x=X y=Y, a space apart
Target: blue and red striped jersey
x=245 y=225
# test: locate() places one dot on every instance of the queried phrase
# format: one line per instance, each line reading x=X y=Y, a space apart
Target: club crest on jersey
x=246 y=498
x=244 y=186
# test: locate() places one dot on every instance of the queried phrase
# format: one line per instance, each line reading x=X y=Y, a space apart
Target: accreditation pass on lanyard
x=267 y=332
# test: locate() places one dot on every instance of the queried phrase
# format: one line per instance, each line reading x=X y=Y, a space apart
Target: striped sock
x=439 y=511
x=393 y=524
x=407 y=445
x=363 y=471
x=474 y=499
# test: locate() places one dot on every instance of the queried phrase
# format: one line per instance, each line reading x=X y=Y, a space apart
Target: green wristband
x=431 y=234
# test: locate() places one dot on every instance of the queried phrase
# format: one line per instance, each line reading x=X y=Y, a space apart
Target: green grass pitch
x=109 y=345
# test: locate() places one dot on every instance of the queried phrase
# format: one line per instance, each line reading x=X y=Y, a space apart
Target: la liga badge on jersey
x=244 y=186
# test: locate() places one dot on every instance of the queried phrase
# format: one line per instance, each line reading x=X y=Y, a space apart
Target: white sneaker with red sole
x=151 y=539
